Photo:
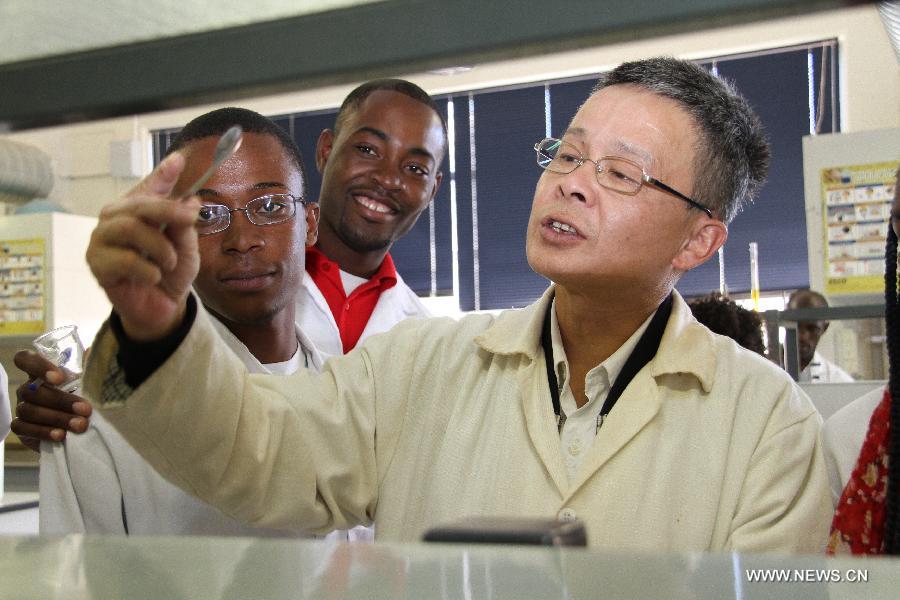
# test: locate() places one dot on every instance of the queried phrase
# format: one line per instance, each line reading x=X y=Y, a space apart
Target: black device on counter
x=510 y=530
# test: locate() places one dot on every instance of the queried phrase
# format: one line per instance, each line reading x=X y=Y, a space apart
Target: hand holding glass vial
x=63 y=348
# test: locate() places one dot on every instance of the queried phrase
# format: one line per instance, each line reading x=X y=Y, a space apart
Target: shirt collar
x=686 y=346
x=612 y=366
x=317 y=262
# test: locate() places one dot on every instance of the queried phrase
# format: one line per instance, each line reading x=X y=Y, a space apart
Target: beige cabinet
x=44 y=283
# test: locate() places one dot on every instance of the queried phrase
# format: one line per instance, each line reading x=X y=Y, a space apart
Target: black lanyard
x=643 y=352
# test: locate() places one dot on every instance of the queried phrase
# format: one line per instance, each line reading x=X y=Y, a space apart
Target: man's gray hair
x=733 y=158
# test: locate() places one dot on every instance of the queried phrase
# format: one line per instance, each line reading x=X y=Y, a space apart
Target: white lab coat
x=97 y=483
x=842 y=438
x=315 y=319
x=822 y=370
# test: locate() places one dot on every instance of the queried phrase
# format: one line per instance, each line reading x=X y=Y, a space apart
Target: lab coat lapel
x=639 y=404
x=516 y=335
x=394 y=304
x=541 y=422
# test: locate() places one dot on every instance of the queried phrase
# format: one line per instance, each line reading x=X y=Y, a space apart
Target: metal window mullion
x=811 y=90
x=476 y=281
x=834 y=123
x=548 y=120
x=432 y=249
x=454 y=219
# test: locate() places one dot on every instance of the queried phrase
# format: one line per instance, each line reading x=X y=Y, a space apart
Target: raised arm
x=292 y=452
x=144 y=254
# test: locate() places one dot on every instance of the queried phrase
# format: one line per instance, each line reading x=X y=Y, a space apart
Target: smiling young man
x=380 y=169
x=254 y=228
x=603 y=401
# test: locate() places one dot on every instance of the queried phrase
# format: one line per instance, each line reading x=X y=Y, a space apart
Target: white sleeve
x=79 y=487
x=251 y=430
x=843 y=435
x=5 y=416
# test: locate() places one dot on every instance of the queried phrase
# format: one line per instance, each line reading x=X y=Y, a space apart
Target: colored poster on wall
x=22 y=287
x=856 y=205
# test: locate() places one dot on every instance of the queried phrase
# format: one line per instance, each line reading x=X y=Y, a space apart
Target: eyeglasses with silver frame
x=270 y=209
x=613 y=172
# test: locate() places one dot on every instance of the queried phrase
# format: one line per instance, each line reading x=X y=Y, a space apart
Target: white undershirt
x=580 y=428
x=301 y=357
x=290 y=366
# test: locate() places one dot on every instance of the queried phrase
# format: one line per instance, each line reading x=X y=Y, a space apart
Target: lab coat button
x=567 y=514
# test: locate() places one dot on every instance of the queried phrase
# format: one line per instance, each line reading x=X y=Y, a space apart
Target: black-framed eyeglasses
x=613 y=172
x=270 y=209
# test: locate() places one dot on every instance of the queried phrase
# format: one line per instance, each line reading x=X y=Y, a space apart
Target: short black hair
x=217 y=122
x=733 y=158
x=724 y=316
x=401 y=86
x=807 y=298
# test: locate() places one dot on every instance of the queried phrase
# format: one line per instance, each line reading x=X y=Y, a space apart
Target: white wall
x=869 y=76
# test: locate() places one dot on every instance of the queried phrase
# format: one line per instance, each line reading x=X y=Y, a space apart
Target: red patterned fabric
x=858 y=525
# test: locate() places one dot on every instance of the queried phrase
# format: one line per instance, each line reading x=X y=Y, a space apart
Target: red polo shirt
x=351 y=313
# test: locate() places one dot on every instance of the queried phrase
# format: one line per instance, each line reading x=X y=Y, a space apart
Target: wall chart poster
x=856 y=205
x=22 y=287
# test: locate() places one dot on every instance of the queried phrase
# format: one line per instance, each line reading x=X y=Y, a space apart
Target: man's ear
x=323 y=148
x=707 y=236
x=312 y=223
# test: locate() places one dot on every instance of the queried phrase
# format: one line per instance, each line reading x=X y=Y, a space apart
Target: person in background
x=380 y=169
x=724 y=316
x=813 y=366
x=603 y=401
x=862 y=447
x=254 y=227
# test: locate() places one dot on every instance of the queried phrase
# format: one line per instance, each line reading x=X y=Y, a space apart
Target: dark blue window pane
x=565 y=99
x=305 y=129
x=464 y=220
x=161 y=141
x=776 y=87
x=507 y=124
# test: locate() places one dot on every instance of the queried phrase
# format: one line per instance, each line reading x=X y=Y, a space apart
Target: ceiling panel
x=39 y=28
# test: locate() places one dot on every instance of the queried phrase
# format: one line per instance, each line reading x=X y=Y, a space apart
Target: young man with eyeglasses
x=604 y=401
x=254 y=227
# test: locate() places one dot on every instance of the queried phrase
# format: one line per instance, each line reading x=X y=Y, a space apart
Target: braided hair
x=892 y=322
